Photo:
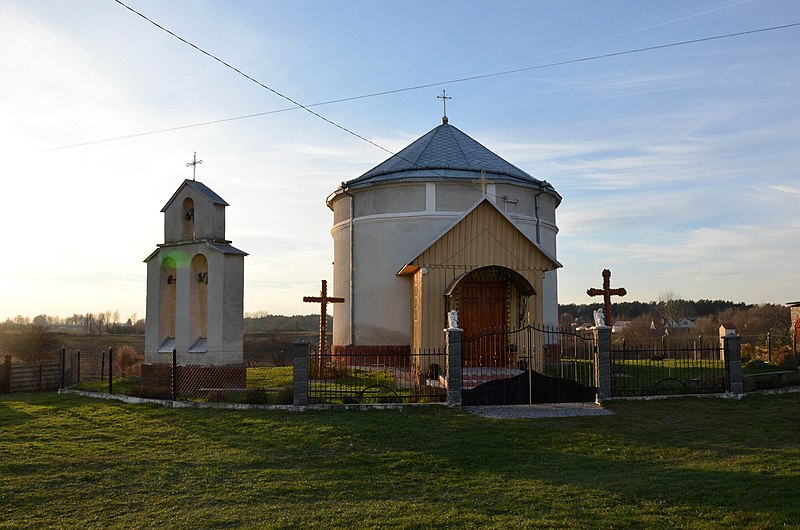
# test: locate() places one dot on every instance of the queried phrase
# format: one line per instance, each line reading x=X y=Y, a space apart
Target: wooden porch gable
x=483 y=237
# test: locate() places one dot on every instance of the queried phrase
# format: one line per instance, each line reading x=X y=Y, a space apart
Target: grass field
x=73 y=462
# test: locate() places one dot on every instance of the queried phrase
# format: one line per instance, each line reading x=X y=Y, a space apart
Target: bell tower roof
x=203 y=190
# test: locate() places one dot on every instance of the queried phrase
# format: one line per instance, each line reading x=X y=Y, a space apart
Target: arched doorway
x=491 y=301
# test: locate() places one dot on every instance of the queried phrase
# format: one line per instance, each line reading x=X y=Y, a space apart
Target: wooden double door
x=482 y=312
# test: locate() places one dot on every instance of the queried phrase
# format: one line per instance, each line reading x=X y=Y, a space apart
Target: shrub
x=754 y=363
x=748 y=352
x=285 y=396
x=255 y=396
x=784 y=358
x=127 y=362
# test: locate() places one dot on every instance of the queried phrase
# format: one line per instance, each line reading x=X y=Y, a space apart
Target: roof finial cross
x=194 y=164
x=444 y=97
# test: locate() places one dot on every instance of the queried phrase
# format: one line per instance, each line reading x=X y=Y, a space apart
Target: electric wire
x=297 y=105
x=394 y=91
x=254 y=80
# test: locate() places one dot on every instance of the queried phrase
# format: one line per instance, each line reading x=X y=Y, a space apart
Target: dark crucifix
x=607 y=292
x=323 y=299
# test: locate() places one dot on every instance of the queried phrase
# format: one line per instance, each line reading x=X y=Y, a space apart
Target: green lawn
x=73 y=462
x=270 y=377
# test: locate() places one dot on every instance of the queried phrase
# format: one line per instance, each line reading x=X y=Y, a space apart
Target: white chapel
x=443 y=224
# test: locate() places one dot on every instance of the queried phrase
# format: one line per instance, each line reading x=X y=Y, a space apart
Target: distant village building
x=444 y=224
x=619 y=325
x=794 y=308
x=726 y=329
x=195 y=287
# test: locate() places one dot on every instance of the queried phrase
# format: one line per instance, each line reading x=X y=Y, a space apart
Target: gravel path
x=548 y=410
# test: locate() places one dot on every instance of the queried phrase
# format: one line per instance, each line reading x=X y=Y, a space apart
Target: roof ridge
x=421 y=151
x=455 y=139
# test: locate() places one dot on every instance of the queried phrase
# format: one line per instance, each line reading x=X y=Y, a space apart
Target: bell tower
x=195 y=296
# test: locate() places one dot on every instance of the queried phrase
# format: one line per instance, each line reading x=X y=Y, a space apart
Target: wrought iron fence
x=373 y=375
x=687 y=367
x=529 y=365
x=551 y=351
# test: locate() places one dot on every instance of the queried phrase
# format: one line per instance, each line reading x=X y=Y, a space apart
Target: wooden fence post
x=63 y=366
x=7 y=375
x=110 y=371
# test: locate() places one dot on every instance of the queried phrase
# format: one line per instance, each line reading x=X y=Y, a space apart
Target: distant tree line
x=108 y=322
x=648 y=321
x=631 y=310
x=262 y=322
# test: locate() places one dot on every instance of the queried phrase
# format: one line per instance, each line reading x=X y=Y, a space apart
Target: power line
x=297 y=105
x=397 y=90
x=254 y=80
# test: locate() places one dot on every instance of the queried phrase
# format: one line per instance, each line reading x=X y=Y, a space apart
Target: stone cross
x=194 y=163
x=323 y=299
x=607 y=292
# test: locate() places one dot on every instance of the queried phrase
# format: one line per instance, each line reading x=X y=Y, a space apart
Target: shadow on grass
x=685 y=462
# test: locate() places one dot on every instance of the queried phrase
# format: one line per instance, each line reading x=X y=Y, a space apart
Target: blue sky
x=678 y=167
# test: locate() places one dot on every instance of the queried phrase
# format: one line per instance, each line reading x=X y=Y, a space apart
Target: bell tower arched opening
x=198 y=297
x=167 y=299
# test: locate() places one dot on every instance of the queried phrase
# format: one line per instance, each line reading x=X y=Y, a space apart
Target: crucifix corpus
x=323 y=300
x=607 y=292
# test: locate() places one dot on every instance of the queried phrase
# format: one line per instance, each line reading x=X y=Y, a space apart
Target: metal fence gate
x=530 y=365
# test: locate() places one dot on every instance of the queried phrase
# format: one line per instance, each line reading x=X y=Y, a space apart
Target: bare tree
x=671 y=308
x=32 y=343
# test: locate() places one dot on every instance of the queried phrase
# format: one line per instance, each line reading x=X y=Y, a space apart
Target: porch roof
x=479 y=232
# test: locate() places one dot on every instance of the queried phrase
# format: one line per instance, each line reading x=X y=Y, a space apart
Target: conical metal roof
x=445 y=153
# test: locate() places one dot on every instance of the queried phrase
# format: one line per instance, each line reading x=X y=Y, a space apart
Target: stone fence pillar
x=602 y=361
x=300 y=350
x=453 y=365
x=732 y=353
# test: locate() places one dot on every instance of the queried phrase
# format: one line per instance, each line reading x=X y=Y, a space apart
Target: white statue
x=599 y=318
x=452 y=319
